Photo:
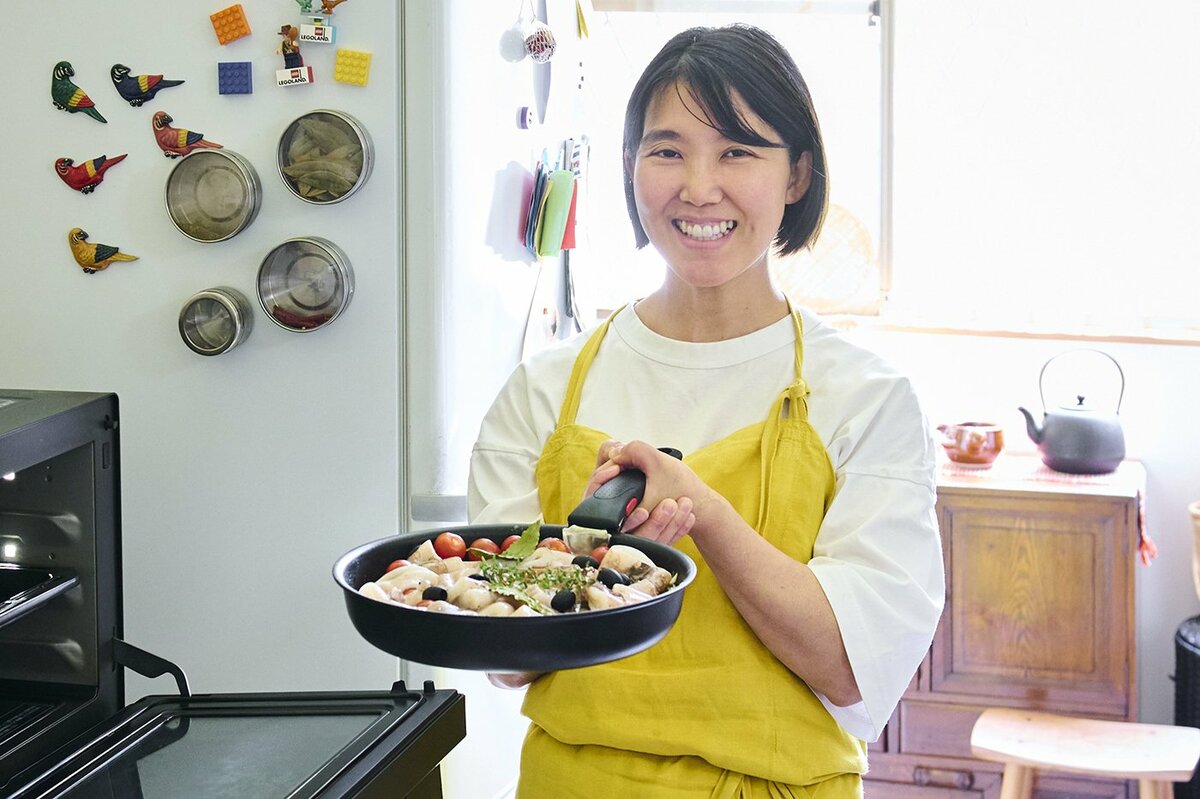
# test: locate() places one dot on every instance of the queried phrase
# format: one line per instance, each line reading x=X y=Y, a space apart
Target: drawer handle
x=944 y=778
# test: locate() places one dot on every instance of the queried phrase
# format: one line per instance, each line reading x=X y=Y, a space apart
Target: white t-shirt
x=878 y=553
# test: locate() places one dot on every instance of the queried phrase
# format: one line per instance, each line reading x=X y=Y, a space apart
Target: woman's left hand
x=673 y=491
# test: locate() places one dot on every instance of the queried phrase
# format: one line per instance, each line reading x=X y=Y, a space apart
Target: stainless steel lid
x=212 y=195
x=215 y=320
x=324 y=156
x=305 y=283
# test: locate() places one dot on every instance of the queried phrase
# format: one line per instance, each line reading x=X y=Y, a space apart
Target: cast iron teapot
x=1078 y=439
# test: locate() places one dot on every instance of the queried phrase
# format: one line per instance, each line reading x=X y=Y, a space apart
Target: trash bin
x=1187 y=691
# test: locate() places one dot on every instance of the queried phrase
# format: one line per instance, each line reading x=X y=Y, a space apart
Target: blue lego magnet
x=234 y=77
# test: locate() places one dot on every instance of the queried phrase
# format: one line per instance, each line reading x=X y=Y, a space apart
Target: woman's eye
x=664 y=152
x=738 y=152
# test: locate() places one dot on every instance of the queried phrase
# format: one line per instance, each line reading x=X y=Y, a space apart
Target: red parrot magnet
x=86 y=176
x=175 y=142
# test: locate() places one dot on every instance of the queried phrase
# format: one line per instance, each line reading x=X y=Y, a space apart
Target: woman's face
x=710 y=205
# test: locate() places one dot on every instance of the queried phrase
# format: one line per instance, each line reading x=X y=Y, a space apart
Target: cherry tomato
x=508 y=542
x=449 y=545
x=599 y=552
x=395 y=564
x=557 y=544
x=486 y=544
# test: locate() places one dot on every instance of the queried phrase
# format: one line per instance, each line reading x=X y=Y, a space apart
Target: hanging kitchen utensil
x=215 y=320
x=324 y=156
x=1078 y=439
x=305 y=283
x=533 y=643
x=212 y=195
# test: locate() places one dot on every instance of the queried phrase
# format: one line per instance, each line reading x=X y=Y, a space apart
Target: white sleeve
x=878 y=559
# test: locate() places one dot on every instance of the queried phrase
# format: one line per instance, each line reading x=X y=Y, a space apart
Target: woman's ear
x=801 y=178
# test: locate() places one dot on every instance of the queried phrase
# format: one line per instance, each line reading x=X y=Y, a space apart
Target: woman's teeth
x=705 y=232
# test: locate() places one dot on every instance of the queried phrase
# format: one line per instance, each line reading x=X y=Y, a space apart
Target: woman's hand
x=674 y=494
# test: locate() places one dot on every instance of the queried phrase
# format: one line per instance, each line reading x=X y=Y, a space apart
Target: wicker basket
x=1194 y=509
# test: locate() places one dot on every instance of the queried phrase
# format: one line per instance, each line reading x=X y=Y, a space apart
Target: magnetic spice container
x=215 y=320
x=212 y=195
x=324 y=156
x=305 y=283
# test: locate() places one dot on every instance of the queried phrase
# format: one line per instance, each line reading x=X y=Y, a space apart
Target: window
x=1047 y=167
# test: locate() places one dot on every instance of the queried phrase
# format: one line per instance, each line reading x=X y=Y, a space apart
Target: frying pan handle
x=611 y=504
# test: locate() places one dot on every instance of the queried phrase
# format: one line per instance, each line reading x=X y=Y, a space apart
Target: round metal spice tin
x=212 y=195
x=305 y=283
x=324 y=156
x=215 y=320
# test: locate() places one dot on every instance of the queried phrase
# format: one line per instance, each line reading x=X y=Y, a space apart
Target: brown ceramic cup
x=972 y=444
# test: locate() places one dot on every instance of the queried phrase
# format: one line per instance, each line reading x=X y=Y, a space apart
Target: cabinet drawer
x=897 y=790
x=928 y=728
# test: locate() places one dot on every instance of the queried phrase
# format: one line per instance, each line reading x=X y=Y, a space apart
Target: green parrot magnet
x=66 y=96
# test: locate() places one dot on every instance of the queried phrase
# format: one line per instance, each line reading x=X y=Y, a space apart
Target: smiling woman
x=838 y=46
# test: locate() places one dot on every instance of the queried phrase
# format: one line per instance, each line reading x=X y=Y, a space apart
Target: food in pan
x=524 y=576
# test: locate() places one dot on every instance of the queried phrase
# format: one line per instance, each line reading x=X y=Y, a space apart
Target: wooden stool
x=1153 y=754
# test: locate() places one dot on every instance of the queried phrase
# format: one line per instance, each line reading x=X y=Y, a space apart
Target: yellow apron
x=708 y=711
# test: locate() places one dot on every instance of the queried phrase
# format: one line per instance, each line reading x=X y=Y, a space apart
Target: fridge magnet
x=233 y=77
x=66 y=96
x=328 y=6
x=94 y=257
x=306 y=6
x=88 y=175
x=305 y=283
x=324 y=156
x=317 y=31
x=137 y=89
x=175 y=142
x=294 y=72
x=352 y=66
x=212 y=195
x=230 y=24
x=216 y=320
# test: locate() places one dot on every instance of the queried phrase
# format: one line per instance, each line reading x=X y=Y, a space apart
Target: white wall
x=244 y=475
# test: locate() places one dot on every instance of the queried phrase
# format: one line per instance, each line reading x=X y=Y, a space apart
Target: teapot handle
x=1121 y=372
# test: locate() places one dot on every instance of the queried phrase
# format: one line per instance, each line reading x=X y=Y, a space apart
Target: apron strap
x=570 y=406
x=790 y=406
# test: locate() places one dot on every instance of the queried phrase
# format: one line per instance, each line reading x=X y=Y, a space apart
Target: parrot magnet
x=175 y=142
x=137 y=89
x=294 y=72
x=93 y=257
x=88 y=175
x=66 y=96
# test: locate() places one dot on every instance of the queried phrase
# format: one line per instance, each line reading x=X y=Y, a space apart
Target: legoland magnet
x=93 y=258
x=294 y=72
x=137 y=89
x=88 y=175
x=317 y=31
x=66 y=96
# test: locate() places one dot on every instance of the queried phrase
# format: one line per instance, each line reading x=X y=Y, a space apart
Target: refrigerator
x=247 y=473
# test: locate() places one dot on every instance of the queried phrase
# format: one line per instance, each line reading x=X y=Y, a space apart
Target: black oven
x=64 y=727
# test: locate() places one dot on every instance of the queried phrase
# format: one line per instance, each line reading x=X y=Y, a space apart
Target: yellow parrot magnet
x=93 y=257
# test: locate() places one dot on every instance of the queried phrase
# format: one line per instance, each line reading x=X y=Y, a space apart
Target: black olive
x=434 y=592
x=611 y=577
x=483 y=578
x=563 y=601
x=584 y=562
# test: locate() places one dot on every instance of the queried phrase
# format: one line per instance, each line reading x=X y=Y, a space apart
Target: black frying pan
x=544 y=643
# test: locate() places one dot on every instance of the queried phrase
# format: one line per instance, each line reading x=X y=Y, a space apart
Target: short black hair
x=713 y=64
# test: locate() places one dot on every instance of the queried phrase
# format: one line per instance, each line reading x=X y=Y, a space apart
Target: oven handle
x=148 y=665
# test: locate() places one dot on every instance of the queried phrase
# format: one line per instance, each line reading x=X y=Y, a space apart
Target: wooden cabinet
x=1039 y=614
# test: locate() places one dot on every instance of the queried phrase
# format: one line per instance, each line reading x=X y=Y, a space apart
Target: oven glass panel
x=239 y=757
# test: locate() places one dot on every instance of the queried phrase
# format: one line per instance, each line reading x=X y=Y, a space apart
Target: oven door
x=242 y=746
